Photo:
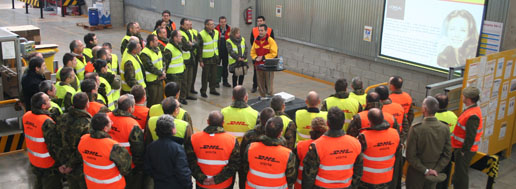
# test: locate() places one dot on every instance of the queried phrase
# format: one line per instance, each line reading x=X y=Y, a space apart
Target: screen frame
x=417 y=64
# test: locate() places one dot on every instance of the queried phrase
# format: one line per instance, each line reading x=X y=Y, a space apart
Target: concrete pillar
x=509 y=37
x=117 y=12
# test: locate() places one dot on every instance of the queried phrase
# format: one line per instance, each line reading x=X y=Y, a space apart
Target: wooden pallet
x=91 y=28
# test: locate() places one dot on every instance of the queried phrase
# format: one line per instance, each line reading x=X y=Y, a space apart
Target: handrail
x=374 y=86
x=10 y=101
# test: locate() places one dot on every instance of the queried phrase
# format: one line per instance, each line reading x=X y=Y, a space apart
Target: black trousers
x=255 y=81
x=224 y=58
x=238 y=80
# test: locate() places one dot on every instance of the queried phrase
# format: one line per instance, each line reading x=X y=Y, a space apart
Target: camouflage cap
x=471 y=92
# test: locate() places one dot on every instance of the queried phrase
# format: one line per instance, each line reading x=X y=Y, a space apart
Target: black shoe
x=204 y=95
x=253 y=90
x=183 y=101
x=193 y=92
x=226 y=84
x=215 y=93
x=191 y=98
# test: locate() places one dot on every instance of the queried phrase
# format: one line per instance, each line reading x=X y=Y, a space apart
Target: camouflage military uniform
x=130 y=74
x=155 y=88
x=119 y=155
x=341 y=94
x=311 y=164
x=50 y=177
x=186 y=83
x=290 y=173
x=73 y=125
x=290 y=133
x=135 y=178
x=227 y=172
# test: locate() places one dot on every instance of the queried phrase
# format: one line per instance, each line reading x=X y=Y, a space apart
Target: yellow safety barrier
x=34 y=3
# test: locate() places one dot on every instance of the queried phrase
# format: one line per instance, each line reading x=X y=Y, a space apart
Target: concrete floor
x=61 y=31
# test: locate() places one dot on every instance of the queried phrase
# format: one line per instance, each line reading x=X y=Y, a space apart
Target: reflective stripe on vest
x=383 y=158
x=373 y=170
x=459 y=133
x=110 y=166
x=266 y=187
x=210 y=45
x=231 y=60
x=138 y=75
x=348 y=105
x=335 y=167
x=157 y=62
x=213 y=152
x=40 y=155
x=267 y=175
x=304 y=122
x=237 y=121
x=176 y=64
x=328 y=181
x=34 y=139
x=107 y=181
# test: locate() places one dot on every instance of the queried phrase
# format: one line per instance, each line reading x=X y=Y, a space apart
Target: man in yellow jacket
x=264 y=47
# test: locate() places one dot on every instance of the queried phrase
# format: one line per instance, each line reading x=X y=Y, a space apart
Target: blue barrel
x=93 y=15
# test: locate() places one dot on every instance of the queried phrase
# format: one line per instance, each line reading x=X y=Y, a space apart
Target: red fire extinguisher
x=248 y=15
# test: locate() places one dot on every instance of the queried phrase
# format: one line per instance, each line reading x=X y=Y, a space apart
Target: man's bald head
x=312 y=99
x=215 y=118
x=94 y=51
x=126 y=102
x=375 y=116
x=239 y=93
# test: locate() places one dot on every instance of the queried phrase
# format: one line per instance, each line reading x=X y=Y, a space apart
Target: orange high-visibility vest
x=121 y=129
x=256 y=32
x=379 y=155
x=402 y=99
x=267 y=166
x=94 y=108
x=36 y=146
x=364 y=120
x=141 y=112
x=99 y=170
x=396 y=110
x=337 y=156
x=459 y=133
x=302 y=149
x=213 y=152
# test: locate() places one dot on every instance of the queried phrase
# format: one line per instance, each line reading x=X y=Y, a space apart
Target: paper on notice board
x=488 y=82
x=505 y=90
x=499 y=67
x=496 y=88
x=510 y=109
x=513 y=85
x=492 y=105
x=503 y=129
x=501 y=110
x=508 y=69
x=473 y=69
x=490 y=68
x=8 y=50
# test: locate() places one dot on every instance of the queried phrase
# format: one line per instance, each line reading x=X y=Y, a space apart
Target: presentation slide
x=434 y=33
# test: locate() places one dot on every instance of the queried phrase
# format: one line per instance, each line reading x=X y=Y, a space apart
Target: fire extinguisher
x=248 y=15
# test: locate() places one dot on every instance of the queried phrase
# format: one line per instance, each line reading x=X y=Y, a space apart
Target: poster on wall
x=368 y=32
x=490 y=38
x=212 y=3
x=433 y=33
x=279 y=10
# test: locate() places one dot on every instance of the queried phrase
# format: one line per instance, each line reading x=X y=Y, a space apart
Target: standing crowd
x=119 y=124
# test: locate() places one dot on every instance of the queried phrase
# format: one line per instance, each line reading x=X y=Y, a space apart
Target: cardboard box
x=30 y=32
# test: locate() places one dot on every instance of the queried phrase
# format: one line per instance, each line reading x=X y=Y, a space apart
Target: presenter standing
x=264 y=47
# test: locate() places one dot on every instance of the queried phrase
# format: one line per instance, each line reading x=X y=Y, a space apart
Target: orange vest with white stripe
x=267 y=166
x=459 y=133
x=337 y=156
x=379 y=155
x=396 y=110
x=302 y=149
x=213 y=152
x=121 y=129
x=99 y=170
x=364 y=120
x=36 y=146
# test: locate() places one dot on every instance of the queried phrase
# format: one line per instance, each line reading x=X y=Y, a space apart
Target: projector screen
x=433 y=33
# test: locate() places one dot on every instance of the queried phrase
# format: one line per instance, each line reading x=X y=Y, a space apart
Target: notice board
x=495 y=76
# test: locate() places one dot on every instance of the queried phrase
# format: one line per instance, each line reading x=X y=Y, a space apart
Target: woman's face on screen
x=457 y=31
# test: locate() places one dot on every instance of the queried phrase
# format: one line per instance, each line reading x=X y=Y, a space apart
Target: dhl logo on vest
x=239 y=123
x=90 y=154
x=384 y=145
x=28 y=123
x=211 y=147
x=267 y=159
x=341 y=154
x=346 y=111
